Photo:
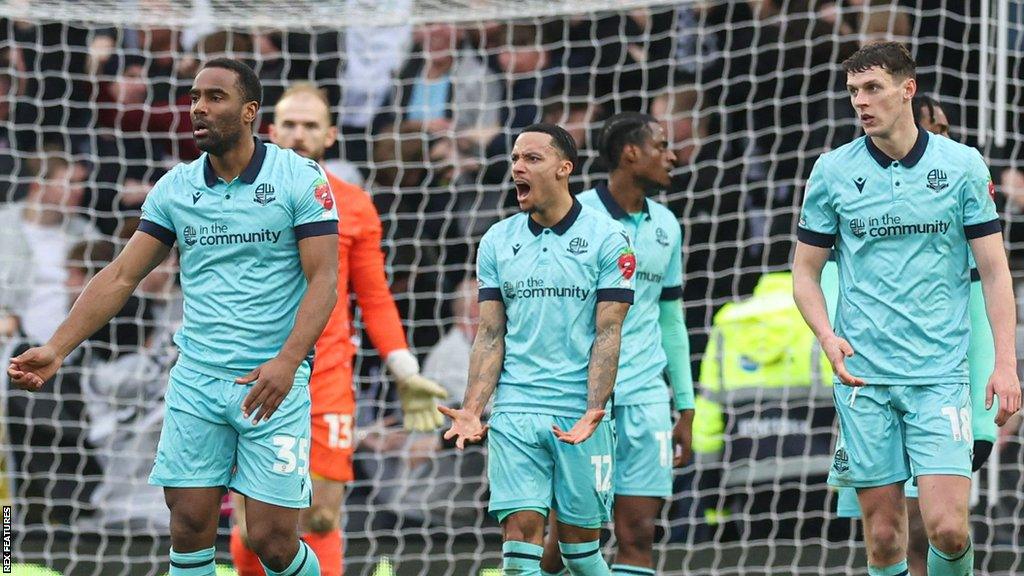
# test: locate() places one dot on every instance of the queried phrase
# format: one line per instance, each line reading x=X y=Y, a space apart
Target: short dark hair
x=623 y=129
x=924 y=101
x=560 y=139
x=893 y=57
x=248 y=81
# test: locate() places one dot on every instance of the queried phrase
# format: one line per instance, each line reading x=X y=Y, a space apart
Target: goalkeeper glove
x=417 y=394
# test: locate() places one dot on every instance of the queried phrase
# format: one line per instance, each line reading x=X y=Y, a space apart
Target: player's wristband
x=402 y=364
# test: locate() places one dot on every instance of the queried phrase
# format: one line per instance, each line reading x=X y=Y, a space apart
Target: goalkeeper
x=980 y=359
x=654 y=337
x=903 y=210
x=555 y=285
x=302 y=123
x=257 y=230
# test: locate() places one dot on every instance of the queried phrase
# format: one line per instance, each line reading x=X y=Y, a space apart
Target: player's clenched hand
x=582 y=429
x=274 y=380
x=682 y=439
x=466 y=426
x=838 y=350
x=1004 y=384
x=34 y=367
x=419 y=397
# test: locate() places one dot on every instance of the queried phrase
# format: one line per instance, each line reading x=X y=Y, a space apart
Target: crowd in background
x=91 y=117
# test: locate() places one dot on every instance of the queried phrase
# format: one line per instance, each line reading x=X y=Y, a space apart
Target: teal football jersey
x=241 y=276
x=550 y=281
x=901 y=231
x=656 y=236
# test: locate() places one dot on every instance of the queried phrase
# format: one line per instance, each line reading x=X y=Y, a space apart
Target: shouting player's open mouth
x=200 y=130
x=522 y=189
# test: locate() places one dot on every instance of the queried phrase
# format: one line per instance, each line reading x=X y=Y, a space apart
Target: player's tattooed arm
x=487 y=356
x=604 y=357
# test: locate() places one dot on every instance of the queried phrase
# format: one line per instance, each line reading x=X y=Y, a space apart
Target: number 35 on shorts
x=292 y=455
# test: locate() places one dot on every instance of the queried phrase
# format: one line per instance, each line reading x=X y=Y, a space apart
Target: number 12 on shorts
x=959 y=422
x=602 y=472
x=288 y=460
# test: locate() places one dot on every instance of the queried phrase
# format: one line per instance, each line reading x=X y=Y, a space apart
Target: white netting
x=752 y=92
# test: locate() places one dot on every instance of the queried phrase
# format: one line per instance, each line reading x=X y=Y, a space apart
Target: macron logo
x=859 y=182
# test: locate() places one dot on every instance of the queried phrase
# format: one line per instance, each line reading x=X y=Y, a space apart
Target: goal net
x=426 y=95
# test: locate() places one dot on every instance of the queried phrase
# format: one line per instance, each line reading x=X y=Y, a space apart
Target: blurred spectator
x=448 y=361
x=582 y=116
x=371 y=56
x=35 y=236
x=11 y=163
x=869 y=20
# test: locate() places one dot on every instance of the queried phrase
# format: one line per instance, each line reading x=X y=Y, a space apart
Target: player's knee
x=636 y=537
x=274 y=547
x=949 y=536
x=322 y=519
x=191 y=528
x=886 y=542
x=522 y=527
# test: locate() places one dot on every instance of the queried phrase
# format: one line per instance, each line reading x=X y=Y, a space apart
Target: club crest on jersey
x=937 y=180
x=322 y=192
x=857 y=227
x=190 y=235
x=578 y=246
x=264 y=194
x=660 y=236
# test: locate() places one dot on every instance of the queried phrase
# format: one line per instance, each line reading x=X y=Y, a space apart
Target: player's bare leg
x=320 y=524
x=246 y=562
x=944 y=501
x=917 y=540
x=634 y=530
x=522 y=535
x=194 y=516
x=885 y=524
x=552 y=563
x=270 y=531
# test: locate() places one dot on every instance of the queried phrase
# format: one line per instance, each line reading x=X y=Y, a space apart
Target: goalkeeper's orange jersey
x=361 y=268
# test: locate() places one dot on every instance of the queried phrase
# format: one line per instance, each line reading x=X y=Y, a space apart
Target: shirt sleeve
x=819 y=223
x=370 y=284
x=156 y=215
x=617 y=261
x=487 y=271
x=980 y=217
x=314 y=212
x=672 y=282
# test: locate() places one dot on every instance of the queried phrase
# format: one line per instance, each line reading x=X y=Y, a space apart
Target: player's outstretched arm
x=485 y=361
x=274 y=378
x=1002 y=315
x=807 y=265
x=103 y=297
x=604 y=365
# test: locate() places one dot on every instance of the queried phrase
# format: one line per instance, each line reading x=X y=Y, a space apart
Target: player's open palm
x=30 y=370
x=1004 y=384
x=582 y=429
x=274 y=379
x=466 y=426
x=837 y=350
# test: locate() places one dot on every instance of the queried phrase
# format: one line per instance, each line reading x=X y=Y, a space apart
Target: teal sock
x=898 y=569
x=304 y=564
x=584 y=559
x=521 y=558
x=562 y=572
x=193 y=563
x=627 y=570
x=959 y=564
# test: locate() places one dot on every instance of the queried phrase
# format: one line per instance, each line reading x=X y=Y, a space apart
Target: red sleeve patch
x=992 y=189
x=627 y=263
x=322 y=193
